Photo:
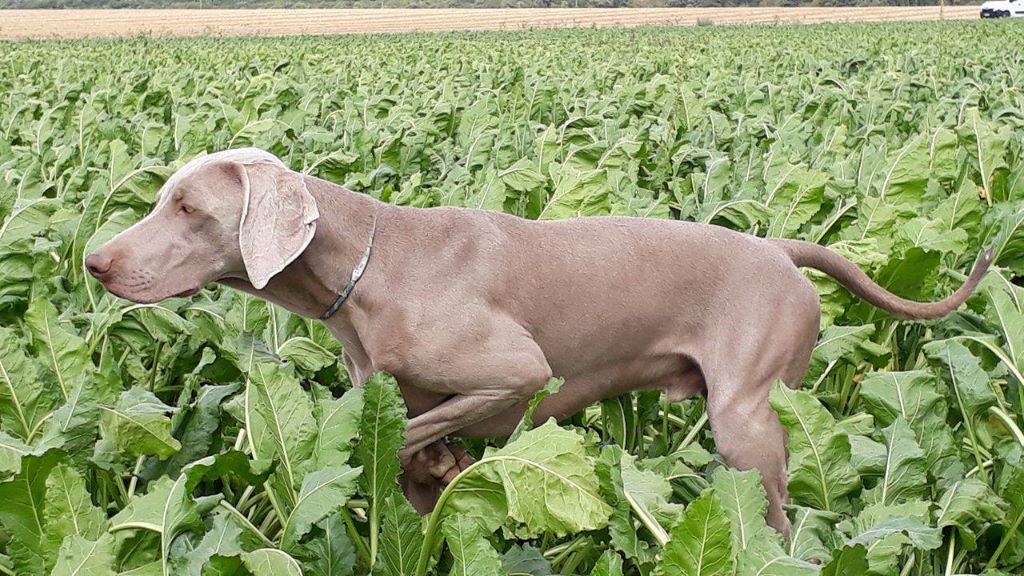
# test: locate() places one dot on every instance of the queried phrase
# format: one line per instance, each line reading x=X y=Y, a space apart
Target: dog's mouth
x=187 y=293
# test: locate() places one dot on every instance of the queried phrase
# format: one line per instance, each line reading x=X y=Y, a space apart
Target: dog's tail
x=806 y=254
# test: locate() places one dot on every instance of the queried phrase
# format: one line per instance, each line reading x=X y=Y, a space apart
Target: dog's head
x=234 y=214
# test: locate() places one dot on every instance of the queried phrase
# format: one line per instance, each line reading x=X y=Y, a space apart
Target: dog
x=474 y=311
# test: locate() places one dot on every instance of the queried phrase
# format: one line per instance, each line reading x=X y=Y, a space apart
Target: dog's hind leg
x=747 y=431
x=748 y=435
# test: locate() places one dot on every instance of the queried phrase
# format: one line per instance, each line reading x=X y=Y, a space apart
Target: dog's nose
x=98 y=264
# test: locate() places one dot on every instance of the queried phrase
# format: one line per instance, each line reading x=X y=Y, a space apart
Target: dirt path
x=22 y=24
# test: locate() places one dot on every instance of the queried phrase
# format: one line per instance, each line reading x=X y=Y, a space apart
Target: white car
x=1003 y=9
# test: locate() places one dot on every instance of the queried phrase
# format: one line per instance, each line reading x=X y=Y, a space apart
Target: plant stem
x=434 y=522
x=1007 y=536
x=565 y=552
x=967 y=417
x=374 y=530
x=245 y=522
x=156 y=365
x=694 y=431
x=273 y=502
x=909 y=565
x=356 y=539
x=357 y=503
x=949 y=557
x=244 y=497
x=133 y=483
x=240 y=440
x=649 y=522
x=1014 y=429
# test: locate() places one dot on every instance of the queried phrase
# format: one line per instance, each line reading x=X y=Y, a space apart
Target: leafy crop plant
x=219 y=435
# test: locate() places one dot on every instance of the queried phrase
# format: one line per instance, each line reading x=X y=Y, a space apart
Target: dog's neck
x=311 y=284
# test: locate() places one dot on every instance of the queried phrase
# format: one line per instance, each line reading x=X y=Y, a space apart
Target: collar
x=357 y=273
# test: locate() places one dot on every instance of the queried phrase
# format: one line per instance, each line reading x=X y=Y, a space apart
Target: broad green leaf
x=22 y=513
x=1006 y=312
x=167 y=509
x=839 y=344
x=757 y=549
x=338 y=422
x=743 y=499
x=27 y=218
x=820 y=472
x=306 y=354
x=228 y=464
x=1011 y=488
x=198 y=430
x=139 y=424
x=969 y=505
x=911 y=396
x=287 y=413
x=68 y=510
x=904 y=474
x=489 y=193
x=795 y=195
x=330 y=551
x=809 y=534
x=847 y=561
x=968 y=381
x=64 y=354
x=915 y=397
x=25 y=400
x=382 y=435
x=472 y=554
x=322 y=492
x=577 y=194
x=12 y=451
x=522 y=176
x=624 y=535
x=401 y=536
x=618 y=419
x=542 y=482
x=81 y=556
x=609 y=564
x=986 y=145
x=552 y=387
x=907 y=173
x=75 y=425
x=912 y=275
x=526 y=559
x=700 y=544
x=1007 y=236
x=648 y=493
x=886 y=530
x=920 y=534
x=222 y=539
x=271 y=562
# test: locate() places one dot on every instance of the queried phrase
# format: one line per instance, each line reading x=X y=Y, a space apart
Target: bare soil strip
x=65 y=24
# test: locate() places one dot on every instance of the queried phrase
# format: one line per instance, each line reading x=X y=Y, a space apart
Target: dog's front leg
x=451 y=416
x=502 y=375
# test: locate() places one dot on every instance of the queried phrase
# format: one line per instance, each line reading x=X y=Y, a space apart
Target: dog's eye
x=185 y=209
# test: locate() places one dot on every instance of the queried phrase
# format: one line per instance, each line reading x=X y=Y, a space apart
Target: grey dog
x=474 y=311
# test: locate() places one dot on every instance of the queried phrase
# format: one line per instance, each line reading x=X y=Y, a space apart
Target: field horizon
x=68 y=24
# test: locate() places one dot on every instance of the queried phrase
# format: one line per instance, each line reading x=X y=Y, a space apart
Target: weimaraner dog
x=474 y=311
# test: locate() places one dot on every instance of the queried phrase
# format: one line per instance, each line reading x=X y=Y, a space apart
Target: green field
x=171 y=439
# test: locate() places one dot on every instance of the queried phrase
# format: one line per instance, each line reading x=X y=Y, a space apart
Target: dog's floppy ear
x=278 y=219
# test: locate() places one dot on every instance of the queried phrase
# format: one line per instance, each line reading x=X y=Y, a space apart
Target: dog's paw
x=462 y=461
x=438 y=462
